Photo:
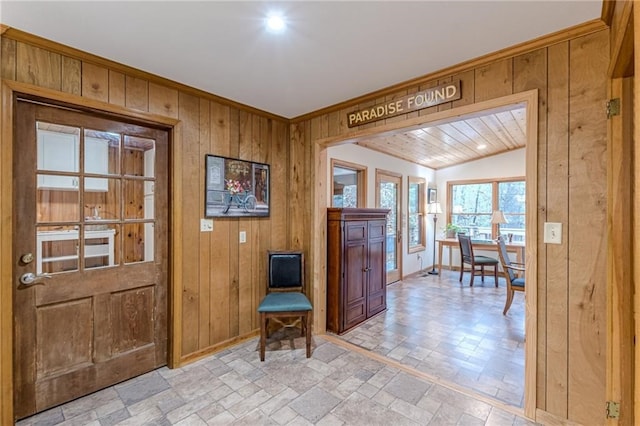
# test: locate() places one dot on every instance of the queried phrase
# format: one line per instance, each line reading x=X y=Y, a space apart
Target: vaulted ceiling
x=465 y=139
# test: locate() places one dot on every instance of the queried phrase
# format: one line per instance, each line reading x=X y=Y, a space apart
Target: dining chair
x=477 y=263
x=285 y=296
x=510 y=270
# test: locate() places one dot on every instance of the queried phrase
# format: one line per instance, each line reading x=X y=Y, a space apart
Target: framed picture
x=235 y=188
x=432 y=195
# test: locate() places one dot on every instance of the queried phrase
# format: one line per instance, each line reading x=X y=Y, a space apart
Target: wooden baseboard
x=429 y=268
x=210 y=350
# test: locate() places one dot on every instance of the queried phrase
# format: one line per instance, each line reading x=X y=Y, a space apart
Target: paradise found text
x=416 y=101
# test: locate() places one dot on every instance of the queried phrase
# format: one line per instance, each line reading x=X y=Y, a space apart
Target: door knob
x=30 y=278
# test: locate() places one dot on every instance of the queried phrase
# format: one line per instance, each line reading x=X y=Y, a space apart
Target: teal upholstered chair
x=477 y=263
x=509 y=268
x=285 y=297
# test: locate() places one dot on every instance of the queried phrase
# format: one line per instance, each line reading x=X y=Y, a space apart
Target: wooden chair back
x=466 y=248
x=514 y=283
x=505 y=260
x=286 y=271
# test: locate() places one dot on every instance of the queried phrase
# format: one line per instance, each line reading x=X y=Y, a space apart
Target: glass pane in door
x=56 y=249
x=100 y=246
x=101 y=152
x=139 y=199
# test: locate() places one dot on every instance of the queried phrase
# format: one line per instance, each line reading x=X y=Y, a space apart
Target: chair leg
x=308 y=333
x=461 y=271
x=482 y=272
x=473 y=274
x=507 y=305
x=263 y=334
x=495 y=275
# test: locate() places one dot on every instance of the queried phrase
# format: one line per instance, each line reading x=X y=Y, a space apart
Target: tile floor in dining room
x=442 y=354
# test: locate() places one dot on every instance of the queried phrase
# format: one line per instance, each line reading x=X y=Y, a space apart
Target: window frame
x=422 y=202
x=495 y=183
x=361 y=178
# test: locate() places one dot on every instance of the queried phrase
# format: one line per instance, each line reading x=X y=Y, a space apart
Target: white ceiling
x=333 y=50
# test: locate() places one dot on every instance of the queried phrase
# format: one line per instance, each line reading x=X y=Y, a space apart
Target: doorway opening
x=525 y=100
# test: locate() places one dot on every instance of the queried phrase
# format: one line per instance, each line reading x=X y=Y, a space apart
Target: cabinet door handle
x=366 y=269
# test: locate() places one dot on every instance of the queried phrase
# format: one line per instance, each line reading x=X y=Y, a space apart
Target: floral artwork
x=236 y=187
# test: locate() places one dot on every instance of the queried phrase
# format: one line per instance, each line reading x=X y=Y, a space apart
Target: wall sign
x=416 y=101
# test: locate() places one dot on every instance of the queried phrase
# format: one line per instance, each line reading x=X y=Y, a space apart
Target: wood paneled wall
x=571 y=79
x=220 y=281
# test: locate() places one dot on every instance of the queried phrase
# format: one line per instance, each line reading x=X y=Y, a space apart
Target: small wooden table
x=517 y=248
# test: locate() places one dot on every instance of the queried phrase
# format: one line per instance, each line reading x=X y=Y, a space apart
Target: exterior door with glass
x=91 y=241
x=388 y=196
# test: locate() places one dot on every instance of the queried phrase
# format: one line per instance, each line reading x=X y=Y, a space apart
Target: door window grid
x=104 y=235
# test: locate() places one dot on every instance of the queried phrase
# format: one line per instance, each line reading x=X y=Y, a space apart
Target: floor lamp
x=435 y=210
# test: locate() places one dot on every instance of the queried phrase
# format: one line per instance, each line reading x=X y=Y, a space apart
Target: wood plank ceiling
x=466 y=139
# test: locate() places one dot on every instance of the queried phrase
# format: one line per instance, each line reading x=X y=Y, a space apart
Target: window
x=470 y=205
x=348 y=184
x=511 y=201
x=416 y=206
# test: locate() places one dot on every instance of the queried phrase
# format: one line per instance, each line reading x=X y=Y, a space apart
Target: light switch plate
x=206 y=225
x=553 y=233
x=243 y=236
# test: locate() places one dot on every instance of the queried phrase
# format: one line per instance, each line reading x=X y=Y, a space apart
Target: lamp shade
x=498 y=217
x=434 y=208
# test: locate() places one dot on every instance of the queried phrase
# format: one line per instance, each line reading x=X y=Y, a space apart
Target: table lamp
x=498 y=218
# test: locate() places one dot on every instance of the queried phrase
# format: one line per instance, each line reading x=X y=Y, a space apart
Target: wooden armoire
x=356 y=273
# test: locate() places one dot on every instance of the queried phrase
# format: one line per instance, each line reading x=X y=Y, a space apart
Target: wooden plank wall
x=571 y=79
x=222 y=281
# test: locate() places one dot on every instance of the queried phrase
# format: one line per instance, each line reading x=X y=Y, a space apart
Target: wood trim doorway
x=623 y=227
x=10 y=90
x=529 y=99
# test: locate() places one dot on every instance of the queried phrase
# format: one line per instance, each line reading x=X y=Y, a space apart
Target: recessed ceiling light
x=482 y=146
x=275 y=23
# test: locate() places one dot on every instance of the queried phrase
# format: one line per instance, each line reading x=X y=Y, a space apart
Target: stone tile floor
x=453 y=332
x=382 y=385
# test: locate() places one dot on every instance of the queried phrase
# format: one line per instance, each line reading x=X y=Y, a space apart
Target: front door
x=90 y=221
x=388 y=196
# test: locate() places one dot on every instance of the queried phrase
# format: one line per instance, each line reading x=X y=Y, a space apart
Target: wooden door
x=355 y=271
x=389 y=196
x=91 y=250
x=376 y=271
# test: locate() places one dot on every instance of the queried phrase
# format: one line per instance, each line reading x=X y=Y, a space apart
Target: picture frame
x=432 y=195
x=236 y=188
